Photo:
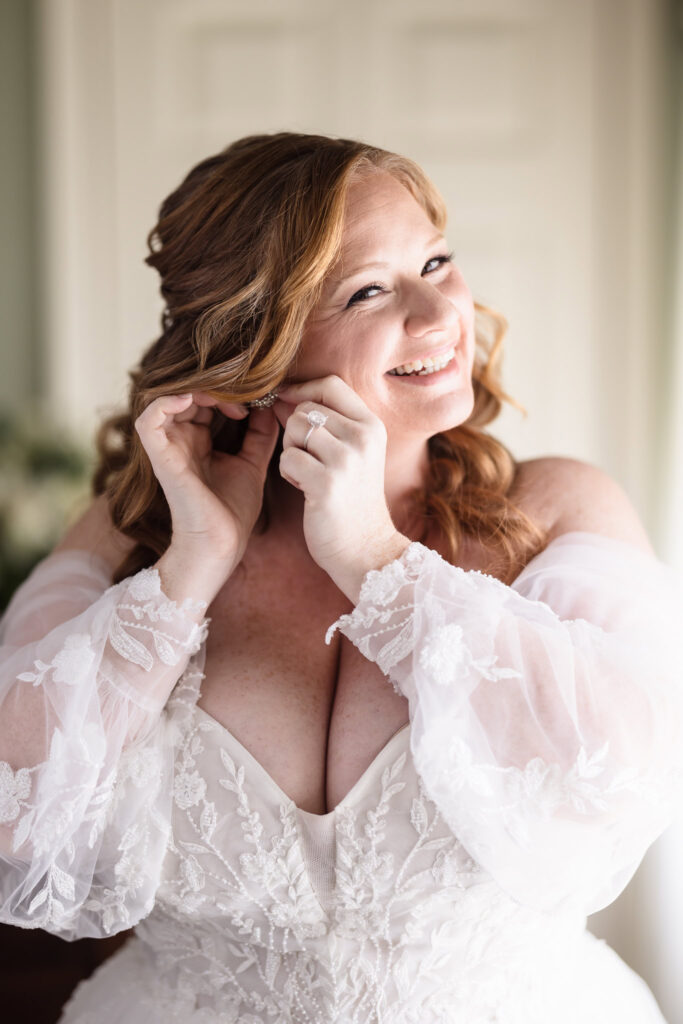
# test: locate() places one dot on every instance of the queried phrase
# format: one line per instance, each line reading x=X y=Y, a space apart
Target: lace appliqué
x=446 y=656
x=14 y=790
x=387 y=600
x=71 y=665
x=146 y=587
x=238 y=928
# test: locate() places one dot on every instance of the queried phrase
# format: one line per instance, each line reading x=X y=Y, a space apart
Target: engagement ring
x=316 y=419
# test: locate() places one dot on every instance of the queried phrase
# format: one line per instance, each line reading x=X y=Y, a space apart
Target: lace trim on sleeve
x=383 y=624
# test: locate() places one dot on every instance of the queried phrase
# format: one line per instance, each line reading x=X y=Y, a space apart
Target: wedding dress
x=544 y=755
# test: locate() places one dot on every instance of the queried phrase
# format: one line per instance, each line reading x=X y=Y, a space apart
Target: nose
x=427 y=310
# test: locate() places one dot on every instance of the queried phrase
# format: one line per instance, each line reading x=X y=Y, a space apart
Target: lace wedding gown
x=452 y=883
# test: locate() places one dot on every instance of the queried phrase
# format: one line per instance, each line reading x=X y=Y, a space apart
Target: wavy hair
x=243 y=247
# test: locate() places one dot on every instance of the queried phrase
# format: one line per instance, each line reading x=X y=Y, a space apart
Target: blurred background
x=554 y=130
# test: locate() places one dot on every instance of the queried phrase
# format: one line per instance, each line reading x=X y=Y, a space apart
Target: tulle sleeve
x=546 y=716
x=87 y=733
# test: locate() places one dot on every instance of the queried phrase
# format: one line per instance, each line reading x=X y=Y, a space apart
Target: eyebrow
x=339 y=281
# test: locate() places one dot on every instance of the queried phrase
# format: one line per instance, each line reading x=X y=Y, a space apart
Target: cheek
x=458 y=289
x=350 y=350
x=316 y=355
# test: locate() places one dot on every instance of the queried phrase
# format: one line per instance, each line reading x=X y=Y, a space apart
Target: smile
x=422 y=368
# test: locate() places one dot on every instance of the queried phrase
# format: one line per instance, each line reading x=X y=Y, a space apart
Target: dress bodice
x=372 y=912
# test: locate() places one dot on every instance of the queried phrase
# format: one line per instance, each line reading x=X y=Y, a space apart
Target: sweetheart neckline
x=273 y=784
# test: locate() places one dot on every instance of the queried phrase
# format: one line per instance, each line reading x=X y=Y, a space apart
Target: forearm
x=374 y=555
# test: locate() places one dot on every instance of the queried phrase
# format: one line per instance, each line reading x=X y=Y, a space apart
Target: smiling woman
x=390 y=337
x=255 y=276
x=351 y=715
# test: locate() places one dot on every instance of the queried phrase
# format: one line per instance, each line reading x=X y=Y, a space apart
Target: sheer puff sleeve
x=546 y=716
x=87 y=734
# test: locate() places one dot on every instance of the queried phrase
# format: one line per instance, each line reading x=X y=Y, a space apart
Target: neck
x=405 y=470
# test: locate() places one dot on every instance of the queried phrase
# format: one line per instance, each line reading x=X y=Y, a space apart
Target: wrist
x=186 y=573
x=374 y=556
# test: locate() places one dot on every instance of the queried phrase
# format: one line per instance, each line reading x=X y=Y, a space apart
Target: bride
x=350 y=714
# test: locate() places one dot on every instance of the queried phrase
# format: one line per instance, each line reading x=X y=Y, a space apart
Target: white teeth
x=432 y=364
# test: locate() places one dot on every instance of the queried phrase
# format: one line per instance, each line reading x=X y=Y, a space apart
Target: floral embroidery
x=142 y=767
x=188 y=789
x=239 y=932
x=14 y=789
x=446 y=657
x=74 y=661
x=71 y=665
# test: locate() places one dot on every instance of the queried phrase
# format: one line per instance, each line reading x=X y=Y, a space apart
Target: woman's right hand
x=214 y=498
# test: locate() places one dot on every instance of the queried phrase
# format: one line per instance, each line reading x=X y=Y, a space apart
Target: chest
x=313 y=715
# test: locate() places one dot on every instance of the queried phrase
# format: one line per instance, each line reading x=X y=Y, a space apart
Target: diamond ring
x=316 y=419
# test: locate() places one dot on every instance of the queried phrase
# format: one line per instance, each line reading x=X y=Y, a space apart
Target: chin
x=437 y=416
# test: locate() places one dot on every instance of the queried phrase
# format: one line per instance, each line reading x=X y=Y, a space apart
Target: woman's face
x=394 y=298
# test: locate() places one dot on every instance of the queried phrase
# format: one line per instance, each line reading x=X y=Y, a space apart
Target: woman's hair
x=243 y=246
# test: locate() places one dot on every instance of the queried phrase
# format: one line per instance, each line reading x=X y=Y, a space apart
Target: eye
x=439 y=260
x=363 y=293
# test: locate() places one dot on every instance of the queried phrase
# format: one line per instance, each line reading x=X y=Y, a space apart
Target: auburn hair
x=243 y=246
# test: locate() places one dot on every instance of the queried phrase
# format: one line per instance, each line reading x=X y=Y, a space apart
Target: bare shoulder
x=563 y=494
x=96 y=533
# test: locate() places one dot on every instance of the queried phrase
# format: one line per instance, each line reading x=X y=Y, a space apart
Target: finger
x=204 y=406
x=332 y=392
x=283 y=410
x=317 y=440
x=335 y=423
x=260 y=439
x=301 y=469
x=203 y=416
x=162 y=411
x=320 y=444
x=195 y=414
x=235 y=410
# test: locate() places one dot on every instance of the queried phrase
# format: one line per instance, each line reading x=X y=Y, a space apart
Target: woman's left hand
x=347 y=525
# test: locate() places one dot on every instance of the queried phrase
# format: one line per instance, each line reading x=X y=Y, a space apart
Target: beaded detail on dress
x=372 y=912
